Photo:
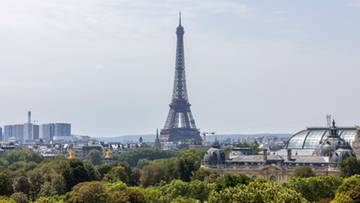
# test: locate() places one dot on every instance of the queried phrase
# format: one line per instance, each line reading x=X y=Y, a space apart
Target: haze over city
x=107 y=67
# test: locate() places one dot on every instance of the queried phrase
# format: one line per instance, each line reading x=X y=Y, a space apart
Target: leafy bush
x=206 y=175
x=315 y=188
x=350 y=166
x=5 y=184
x=95 y=157
x=256 y=192
x=230 y=180
x=75 y=171
x=133 y=157
x=89 y=192
x=304 y=172
x=21 y=155
x=349 y=190
x=20 y=197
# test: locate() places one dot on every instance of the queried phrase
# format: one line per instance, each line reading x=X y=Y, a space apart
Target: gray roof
x=256 y=158
x=308 y=159
x=277 y=158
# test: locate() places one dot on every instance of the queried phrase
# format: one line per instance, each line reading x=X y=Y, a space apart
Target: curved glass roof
x=311 y=137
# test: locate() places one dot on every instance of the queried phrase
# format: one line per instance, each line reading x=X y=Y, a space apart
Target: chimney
x=265 y=153
x=29 y=116
x=289 y=155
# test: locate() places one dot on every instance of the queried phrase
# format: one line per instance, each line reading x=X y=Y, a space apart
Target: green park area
x=148 y=175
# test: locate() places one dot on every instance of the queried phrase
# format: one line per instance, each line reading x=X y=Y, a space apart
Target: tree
x=135 y=196
x=315 y=188
x=133 y=157
x=257 y=191
x=350 y=166
x=89 y=192
x=20 y=197
x=348 y=191
x=6 y=200
x=178 y=188
x=5 y=184
x=103 y=169
x=95 y=157
x=22 y=184
x=230 y=180
x=186 y=166
x=36 y=180
x=117 y=173
x=184 y=200
x=55 y=185
x=135 y=177
x=126 y=195
x=75 y=171
x=22 y=155
x=92 y=173
x=304 y=172
x=152 y=174
x=48 y=200
x=20 y=168
x=142 y=162
x=206 y=175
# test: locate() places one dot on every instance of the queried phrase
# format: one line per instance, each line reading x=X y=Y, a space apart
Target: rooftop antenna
x=179 y=18
x=328 y=120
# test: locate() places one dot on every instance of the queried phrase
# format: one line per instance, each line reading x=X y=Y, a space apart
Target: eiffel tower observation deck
x=180 y=125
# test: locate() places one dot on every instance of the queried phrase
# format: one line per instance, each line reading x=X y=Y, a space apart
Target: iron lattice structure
x=180 y=124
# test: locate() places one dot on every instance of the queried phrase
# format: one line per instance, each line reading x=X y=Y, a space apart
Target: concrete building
x=62 y=133
x=321 y=149
x=55 y=131
x=14 y=133
x=36 y=132
x=47 y=132
x=62 y=129
x=29 y=133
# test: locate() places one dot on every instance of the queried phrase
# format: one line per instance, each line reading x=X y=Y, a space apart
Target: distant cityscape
x=30 y=133
x=270 y=156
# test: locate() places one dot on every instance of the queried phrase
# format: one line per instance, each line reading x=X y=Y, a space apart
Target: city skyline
x=251 y=65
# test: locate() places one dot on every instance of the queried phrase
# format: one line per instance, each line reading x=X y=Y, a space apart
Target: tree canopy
x=350 y=166
x=158 y=177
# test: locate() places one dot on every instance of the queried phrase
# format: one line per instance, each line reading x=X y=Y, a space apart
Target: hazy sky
x=107 y=66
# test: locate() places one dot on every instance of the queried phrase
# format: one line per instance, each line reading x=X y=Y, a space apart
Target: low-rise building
x=323 y=153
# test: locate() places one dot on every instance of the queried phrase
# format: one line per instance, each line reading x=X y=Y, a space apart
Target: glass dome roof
x=311 y=137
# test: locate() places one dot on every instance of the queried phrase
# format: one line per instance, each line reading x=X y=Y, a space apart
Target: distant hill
x=151 y=137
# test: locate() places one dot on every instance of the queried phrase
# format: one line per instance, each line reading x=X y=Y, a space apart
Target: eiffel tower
x=180 y=125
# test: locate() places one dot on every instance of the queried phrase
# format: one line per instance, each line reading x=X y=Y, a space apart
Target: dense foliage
x=141 y=154
x=256 y=192
x=315 y=188
x=155 y=176
x=350 y=166
x=349 y=190
x=304 y=172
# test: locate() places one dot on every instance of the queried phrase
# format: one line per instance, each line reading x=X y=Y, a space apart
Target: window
x=313 y=139
x=348 y=135
x=297 y=141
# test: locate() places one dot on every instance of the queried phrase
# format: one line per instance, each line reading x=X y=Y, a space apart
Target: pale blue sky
x=252 y=66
